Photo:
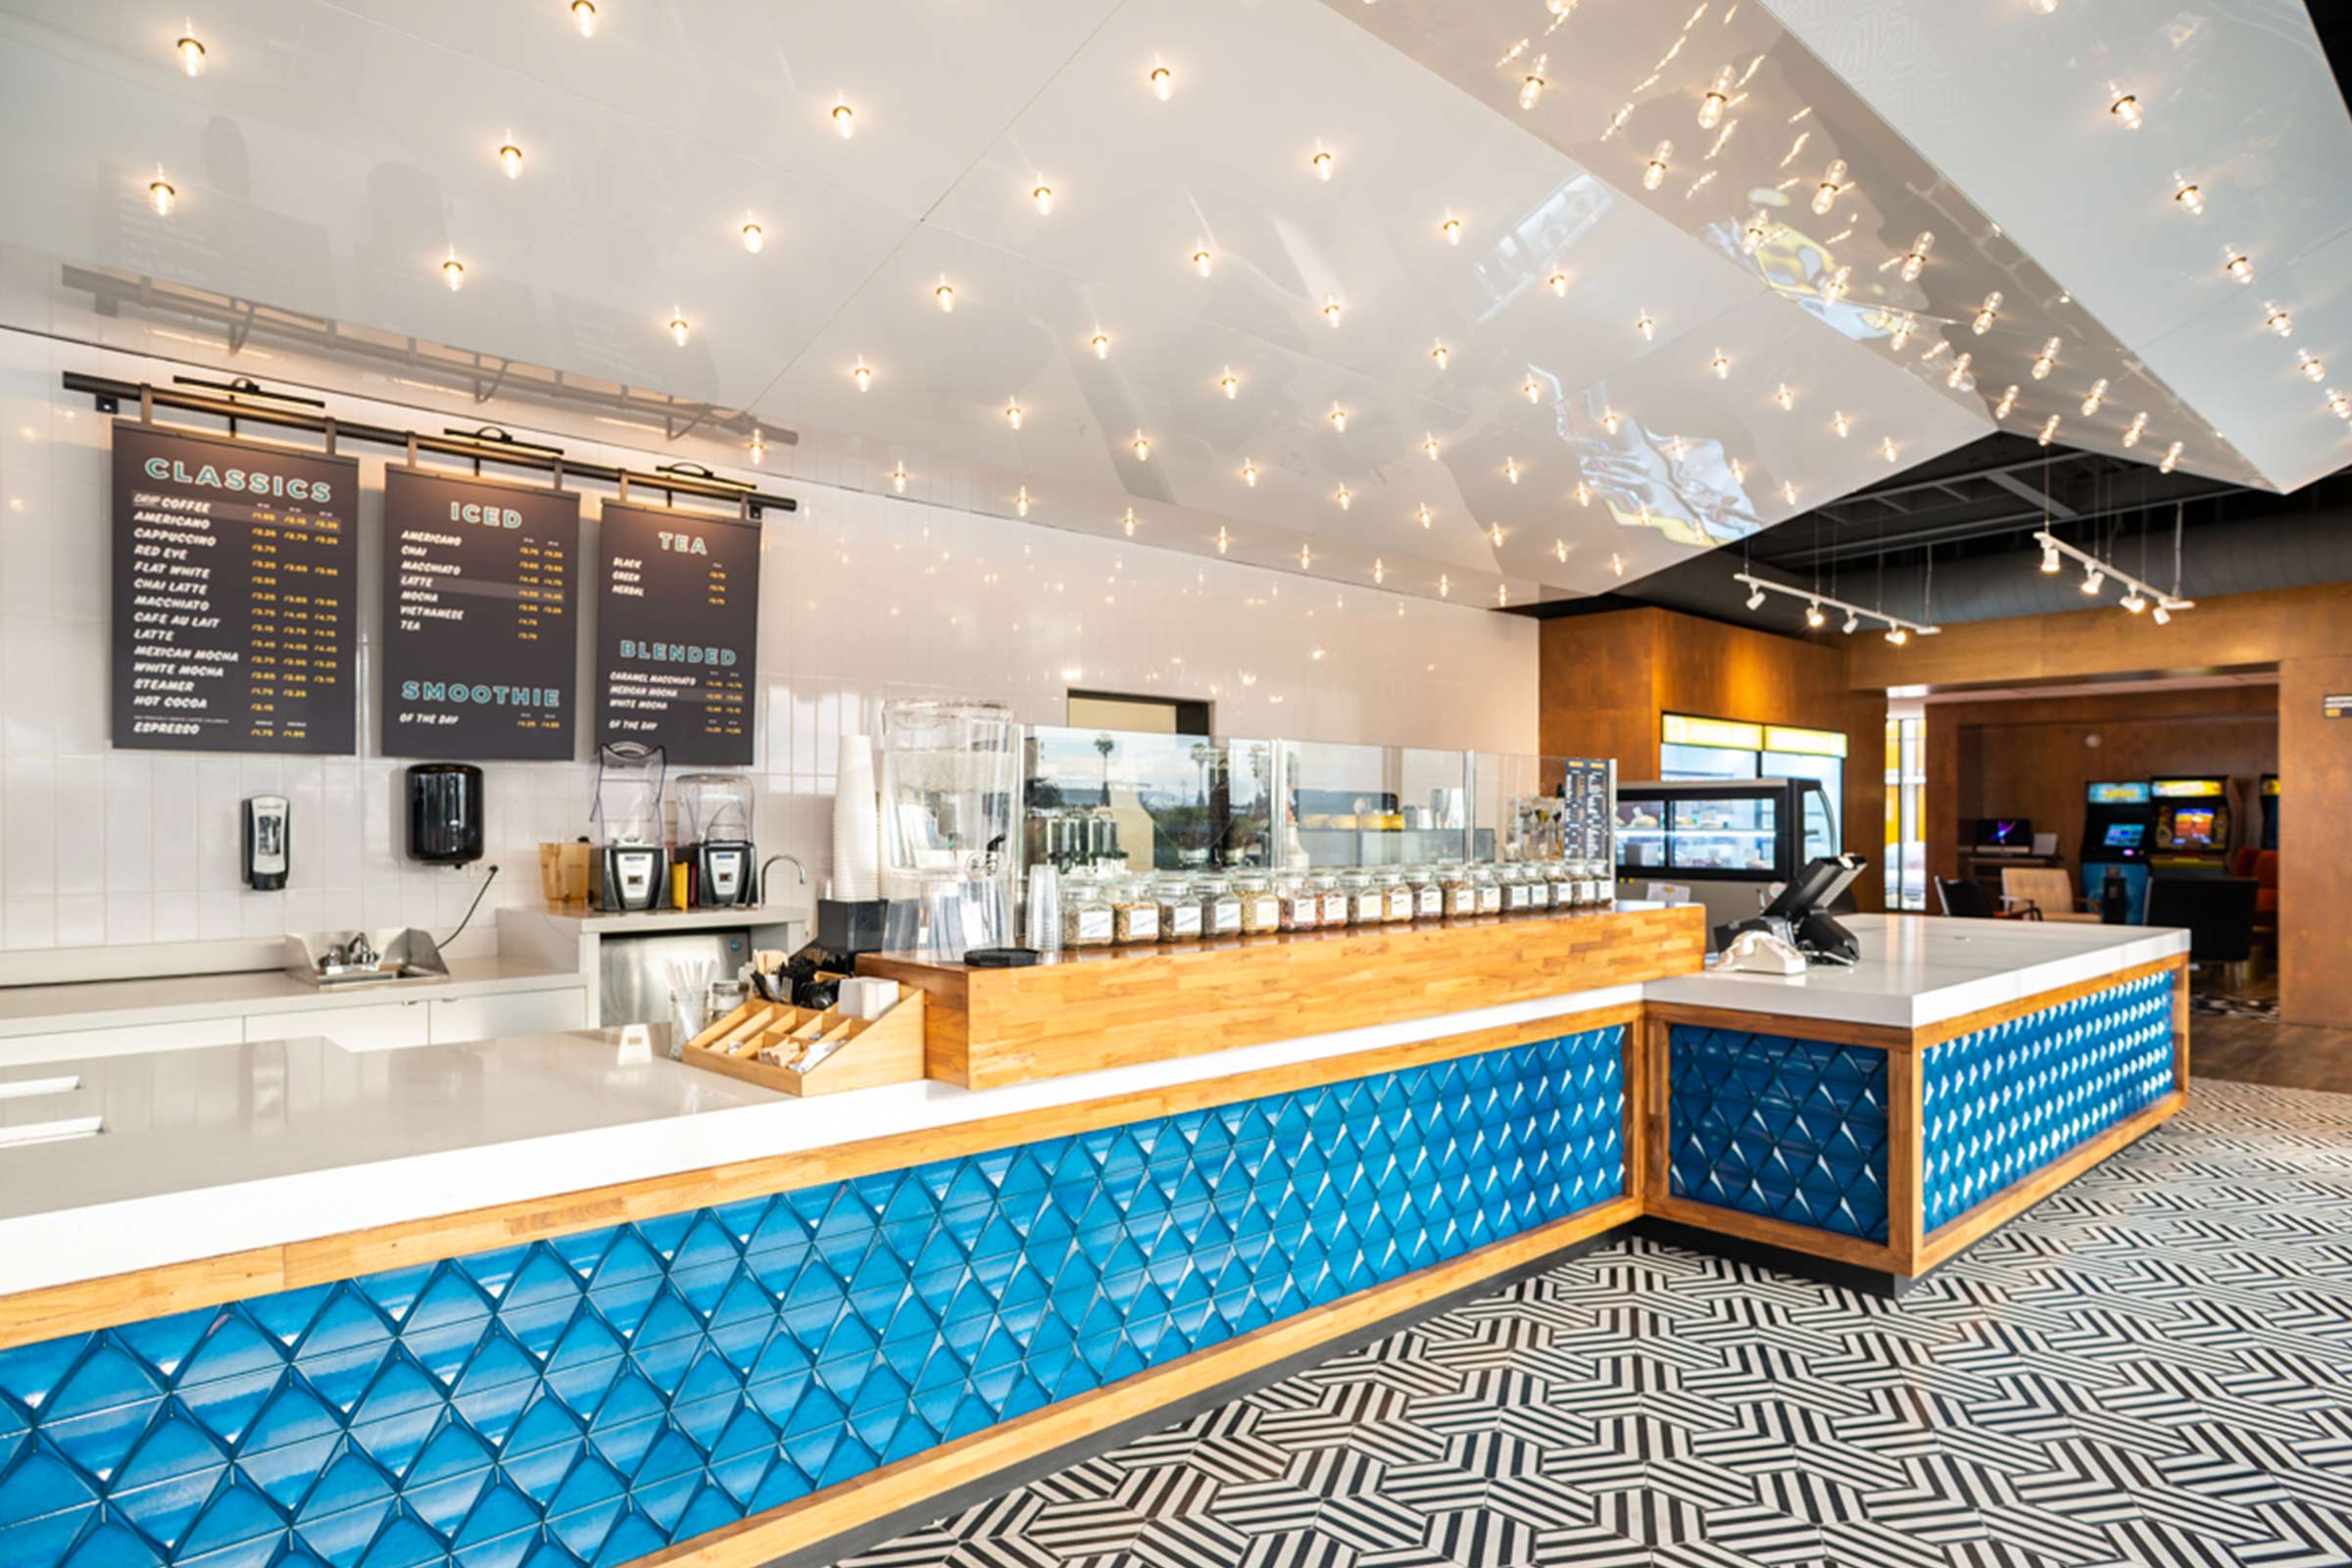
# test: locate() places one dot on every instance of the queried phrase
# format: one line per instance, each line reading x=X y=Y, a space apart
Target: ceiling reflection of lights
x=2236 y=265
x=862 y=375
x=2096 y=399
x=753 y=239
x=160 y=196
x=453 y=273
x=1916 y=260
x=2127 y=112
x=844 y=120
x=2000 y=409
x=583 y=17
x=2049 y=430
x=2136 y=428
x=1162 y=80
x=2190 y=199
x=2172 y=457
x=1832 y=186
x=510 y=159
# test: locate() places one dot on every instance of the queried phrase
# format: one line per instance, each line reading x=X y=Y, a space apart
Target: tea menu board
x=677 y=624
x=236 y=575
x=478 y=649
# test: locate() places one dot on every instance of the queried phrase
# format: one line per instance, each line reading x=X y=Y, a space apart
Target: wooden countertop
x=1091 y=1009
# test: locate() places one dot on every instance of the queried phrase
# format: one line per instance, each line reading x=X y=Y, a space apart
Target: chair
x=2243 y=862
x=2265 y=901
x=2049 y=888
x=1965 y=899
x=2217 y=911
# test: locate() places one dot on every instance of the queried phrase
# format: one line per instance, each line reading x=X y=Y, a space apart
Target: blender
x=950 y=777
x=714 y=832
x=631 y=868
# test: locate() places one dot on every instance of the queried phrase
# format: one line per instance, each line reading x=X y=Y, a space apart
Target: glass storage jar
x=1563 y=884
x=1512 y=879
x=1488 y=890
x=1086 y=916
x=1261 y=906
x=1429 y=895
x=1366 y=905
x=1334 y=900
x=1460 y=891
x=1135 y=918
x=1301 y=902
x=1220 y=906
x=1179 y=909
x=1395 y=895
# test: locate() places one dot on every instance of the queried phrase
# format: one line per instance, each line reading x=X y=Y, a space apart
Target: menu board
x=235 y=568
x=478 y=649
x=677 y=626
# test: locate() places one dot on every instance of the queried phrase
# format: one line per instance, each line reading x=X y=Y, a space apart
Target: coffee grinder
x=715 y=840
x=631 y=867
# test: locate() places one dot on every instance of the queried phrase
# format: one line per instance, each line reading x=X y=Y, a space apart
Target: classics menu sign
x=478 y=649
x=236 y=572
x=678 y=620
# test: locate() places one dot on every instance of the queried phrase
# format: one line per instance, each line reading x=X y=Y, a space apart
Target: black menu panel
x=478 y=645
x=677 y=624
x=235 y=582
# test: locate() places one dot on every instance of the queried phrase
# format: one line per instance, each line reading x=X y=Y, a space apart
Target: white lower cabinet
x=66 y=1045
x=458 y=1020
x=375 y=1026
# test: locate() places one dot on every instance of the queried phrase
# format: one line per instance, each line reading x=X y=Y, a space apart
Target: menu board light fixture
x=243 y=400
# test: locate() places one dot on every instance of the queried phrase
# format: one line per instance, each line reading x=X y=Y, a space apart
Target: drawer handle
x=30 y=1088
x=49 y=1132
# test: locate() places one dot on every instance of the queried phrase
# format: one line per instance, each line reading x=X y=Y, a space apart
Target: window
x=1906 y=860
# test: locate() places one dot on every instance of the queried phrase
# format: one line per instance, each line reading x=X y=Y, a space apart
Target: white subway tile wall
x=864 y=596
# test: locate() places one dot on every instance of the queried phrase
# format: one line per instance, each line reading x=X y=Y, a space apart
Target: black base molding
x=1786 y=1260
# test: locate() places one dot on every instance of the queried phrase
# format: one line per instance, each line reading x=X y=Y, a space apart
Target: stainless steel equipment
x=339 y=959
x=633 y=973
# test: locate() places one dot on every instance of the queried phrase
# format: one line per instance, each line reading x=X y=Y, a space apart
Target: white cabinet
x=68 y=1044
x=372 y=1026
x=494 y=1016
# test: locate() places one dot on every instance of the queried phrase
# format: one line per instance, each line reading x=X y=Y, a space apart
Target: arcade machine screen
x=2117 y=817
x=2193 y=828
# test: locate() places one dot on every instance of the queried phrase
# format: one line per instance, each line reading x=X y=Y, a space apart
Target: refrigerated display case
x=1730 y=842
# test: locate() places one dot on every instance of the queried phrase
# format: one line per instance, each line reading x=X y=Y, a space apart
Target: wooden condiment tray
x=871 y=1052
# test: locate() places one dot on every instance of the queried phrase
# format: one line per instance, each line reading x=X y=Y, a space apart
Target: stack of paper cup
x=857 y=823
x=1043 y=926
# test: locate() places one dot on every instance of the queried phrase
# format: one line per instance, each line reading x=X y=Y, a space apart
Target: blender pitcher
x=951 y=775
x=632 y=865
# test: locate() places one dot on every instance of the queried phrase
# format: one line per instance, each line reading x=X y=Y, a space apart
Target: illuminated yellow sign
x=1803 y=742
x=2186 y=789
x=1682 y=729
x=2270 y=786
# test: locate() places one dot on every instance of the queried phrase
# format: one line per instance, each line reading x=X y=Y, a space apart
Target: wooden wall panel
x=2315 y=862
x=1605 y=679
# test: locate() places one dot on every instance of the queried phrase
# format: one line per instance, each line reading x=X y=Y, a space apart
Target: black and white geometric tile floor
x=2153 y=1367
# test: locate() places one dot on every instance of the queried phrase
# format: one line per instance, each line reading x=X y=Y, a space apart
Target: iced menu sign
x=236 y=570
x=478 y=647
x=677 y=622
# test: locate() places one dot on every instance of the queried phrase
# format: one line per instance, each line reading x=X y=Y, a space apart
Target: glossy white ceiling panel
x=2015 y=107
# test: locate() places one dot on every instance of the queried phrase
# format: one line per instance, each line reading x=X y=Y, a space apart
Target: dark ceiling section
x=1951 y=540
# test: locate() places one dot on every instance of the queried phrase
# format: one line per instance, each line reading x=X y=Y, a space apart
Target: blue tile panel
x=1789 y=1129
x=2005 y=1101
x=594 y=1398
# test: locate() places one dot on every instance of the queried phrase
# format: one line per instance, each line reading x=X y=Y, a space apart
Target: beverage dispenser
x=951 y=775
x=631 y=867
x=715 y=840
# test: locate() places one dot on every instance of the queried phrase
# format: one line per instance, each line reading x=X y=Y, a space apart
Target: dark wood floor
x=2287 y=1055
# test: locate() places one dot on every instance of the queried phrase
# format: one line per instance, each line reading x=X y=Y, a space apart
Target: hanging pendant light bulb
x=1020 y=502
x=1987 y=314
x=1958 y=372
x=898 y=478
x=1440 y=355
x=510 y=159
x=191 y=54
x=1752 y=237
x=1043 y=195
x=1916 y=260
x=2190 y=199
x=1422 y=514
x=844 y=120
x=1013 y=414
x=1142 y=446
x=1511 y=470
x=160 y=196
x=1840 y=423
x=1785 y=398
x=1653 y=174
x=2235 y=264
x=862 y=375
x=2313 y=371
x=1608 y=419
x=1558 y=283
x=2049 y=430
x=1711 y=102
x=1583 y=496
x=2136 y=429
x=759 y=446
x=1200 y=260
x=2278 y=320
x=1646 y=327
x=1428 y=445
x=1331 y=310
x=1833 y=287
x=2000 y=409
x=1228 y=385
x=1321 y=164
x=1531 y=86
x=1128 y=523
x=1531 y=389
x=1162 y=80
x=945 y=294
x=1249 y=473
x=1451 y=228
x=1720 y=366
x=2097 y=397
x=2171 y=456
x=1100 y=343
x=2127 y=112
x=1339 y=419
x=677 y=330
x=1832 y=183
x=1343 y=498
x=1788 y=491
x=583 y=17
x=2046 y=361
x=453 y=273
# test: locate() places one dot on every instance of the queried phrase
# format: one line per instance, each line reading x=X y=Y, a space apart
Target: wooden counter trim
x=1969 y=1023
x=1781 y=1233
x=30 y=1316
x=1966 y=1229
x=1875 y=1037
x=988 y=1028
x=826 y=1514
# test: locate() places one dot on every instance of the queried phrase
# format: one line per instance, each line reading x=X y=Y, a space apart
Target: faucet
x=772 y=861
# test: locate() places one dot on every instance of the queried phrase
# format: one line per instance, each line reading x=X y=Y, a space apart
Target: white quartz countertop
x=211 y=1150
x=1920 y=970
x=106 y=1004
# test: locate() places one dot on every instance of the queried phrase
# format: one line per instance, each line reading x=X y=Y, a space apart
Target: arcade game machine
x=2191 y=836
x=2118 y=820
x=2270 y=811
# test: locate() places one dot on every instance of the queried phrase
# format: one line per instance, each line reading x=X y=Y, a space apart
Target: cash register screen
x=2192 y=829
x=2126 y=835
